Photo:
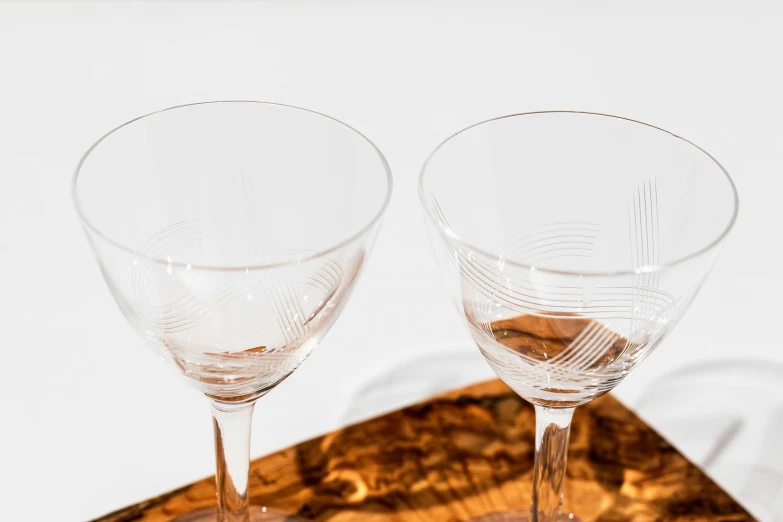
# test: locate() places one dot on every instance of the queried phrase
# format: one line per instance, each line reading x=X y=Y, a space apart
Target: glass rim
x=296 y=259
x=647 y=269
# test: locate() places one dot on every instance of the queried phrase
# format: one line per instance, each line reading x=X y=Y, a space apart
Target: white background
x=91 y=421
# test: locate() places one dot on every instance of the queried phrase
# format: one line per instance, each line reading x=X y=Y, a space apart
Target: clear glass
x=230 y=235
x=571 y=244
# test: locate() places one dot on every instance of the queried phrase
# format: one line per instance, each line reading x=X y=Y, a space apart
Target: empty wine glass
x=571 y=244
x=230 y=234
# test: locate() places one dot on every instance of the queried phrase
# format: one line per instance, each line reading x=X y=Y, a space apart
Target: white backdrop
x=92 y=421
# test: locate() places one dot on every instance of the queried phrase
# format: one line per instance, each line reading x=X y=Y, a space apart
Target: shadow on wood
x=464 y=454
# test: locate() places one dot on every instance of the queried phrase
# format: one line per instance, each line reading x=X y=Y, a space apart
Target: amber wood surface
x=464 y=454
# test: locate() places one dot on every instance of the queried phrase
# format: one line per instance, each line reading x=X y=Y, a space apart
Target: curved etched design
x=184 y=312
x=171 y=305
x=230 y=234
x=628 y=222
x=597 y=335
x=521 y=292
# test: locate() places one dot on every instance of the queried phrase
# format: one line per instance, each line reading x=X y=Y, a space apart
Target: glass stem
x=553 y=425
x=232 y=452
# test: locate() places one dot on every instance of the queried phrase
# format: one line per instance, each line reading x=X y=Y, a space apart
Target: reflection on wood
x=464 y=454
x=559 y=338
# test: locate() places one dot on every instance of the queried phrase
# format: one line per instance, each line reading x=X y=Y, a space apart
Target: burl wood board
x=464 y=454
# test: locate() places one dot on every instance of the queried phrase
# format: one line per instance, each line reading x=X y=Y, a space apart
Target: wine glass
x=571 y=244
x=230 y=235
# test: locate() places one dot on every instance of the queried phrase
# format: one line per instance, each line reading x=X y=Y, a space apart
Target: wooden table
x=463 y=454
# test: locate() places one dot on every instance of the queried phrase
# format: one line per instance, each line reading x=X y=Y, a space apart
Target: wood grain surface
x=464 y=454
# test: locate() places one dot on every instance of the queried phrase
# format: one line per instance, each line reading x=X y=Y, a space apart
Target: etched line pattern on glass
x=230 y=235
x=183 y=313
x=172 y=305
x=628 y=220
x=518 y=291
x=559 y=344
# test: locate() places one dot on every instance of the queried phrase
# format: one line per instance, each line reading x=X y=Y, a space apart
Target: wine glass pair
x=231 y=234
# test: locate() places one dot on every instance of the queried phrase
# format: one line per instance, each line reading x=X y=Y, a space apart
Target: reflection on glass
x=571 y=244
x=230 y=235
